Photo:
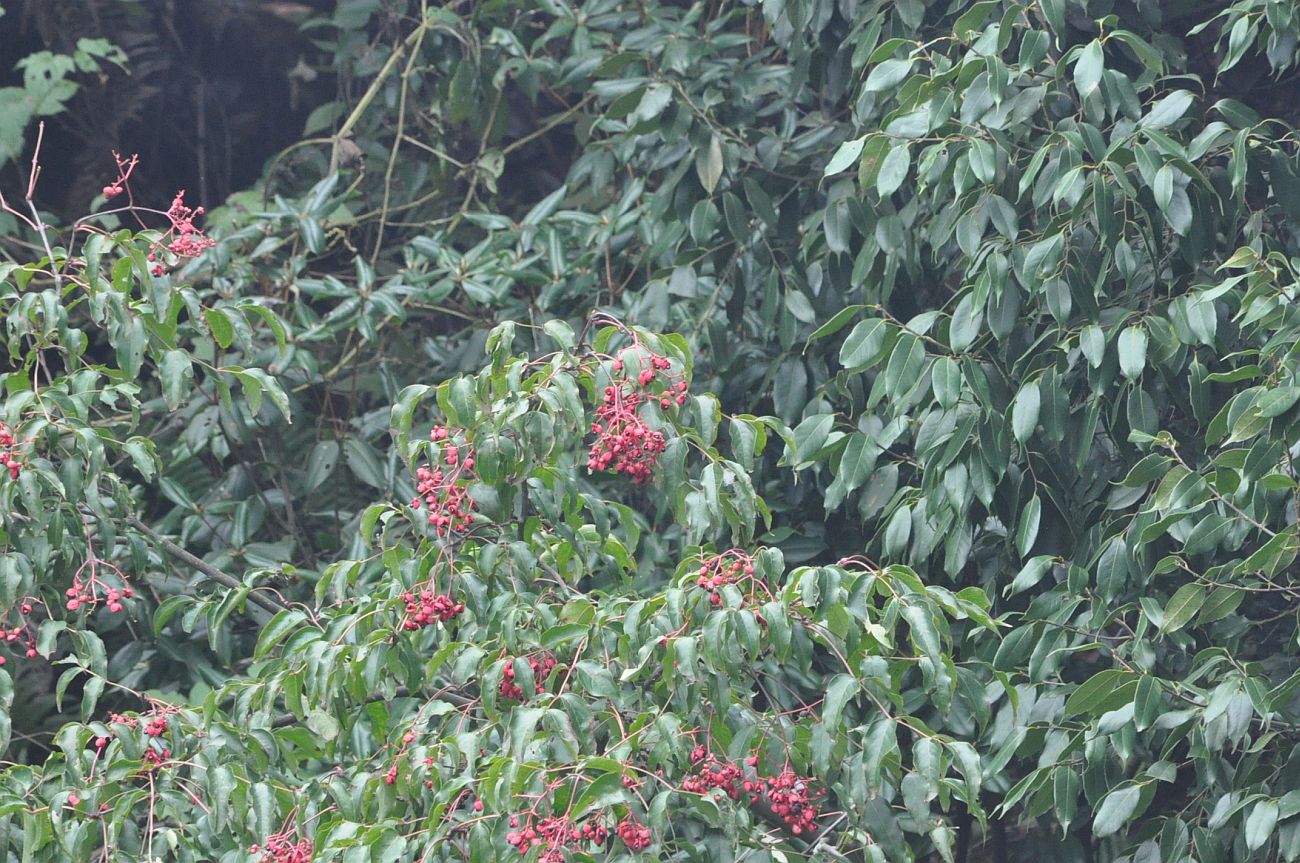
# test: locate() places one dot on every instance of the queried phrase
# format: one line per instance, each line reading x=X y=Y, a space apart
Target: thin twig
x=36 y=215
x=271 y=605
x=284 y=720
x=36 y=223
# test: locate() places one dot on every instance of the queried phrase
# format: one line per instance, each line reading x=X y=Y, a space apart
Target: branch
x=284 y=720
x=36 y=223
x=269 y=604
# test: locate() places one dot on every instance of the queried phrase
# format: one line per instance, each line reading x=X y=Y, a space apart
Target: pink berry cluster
x=789 y=795
x=155 y=726
x=729 y=567
x=634 y=834
x=9 y=451
x=20 y=636
x=154 y=756
x=542 y=669
x=426 y=608
x=124 y=169
x=407 y=739
x=712 y=772
x=790 y=798
x=625 y=443
x=555 y=834
x=444 y=489
x=84 y=594
x=183 y=239
x=156 y=753
x=187 y=241
x=282 y=848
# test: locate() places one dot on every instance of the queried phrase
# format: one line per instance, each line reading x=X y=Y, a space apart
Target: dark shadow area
x=212 y=89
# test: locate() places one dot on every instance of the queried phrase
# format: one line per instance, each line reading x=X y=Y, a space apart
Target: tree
x=957 y=519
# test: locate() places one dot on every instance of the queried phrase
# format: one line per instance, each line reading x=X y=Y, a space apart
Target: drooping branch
x=268 y=603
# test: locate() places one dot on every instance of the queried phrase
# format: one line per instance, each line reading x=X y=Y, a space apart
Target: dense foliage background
x=943 y=354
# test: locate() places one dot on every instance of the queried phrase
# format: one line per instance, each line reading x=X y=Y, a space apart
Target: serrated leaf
x=223 y=333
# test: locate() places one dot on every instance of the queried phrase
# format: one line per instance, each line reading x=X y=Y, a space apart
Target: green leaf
x=837 y=322
x=925 y=636
x=1030 y=574
x=708 y=164
x=1277 y=401
x=1150 y=468
x=142 y=456
x=893 y=171
x=810 y=436
x=858 y=461
x=1168 y=110
x=175 y=369
x=1115 y=810
x=276 y=630
x=903 y=370
x=1024 y=411
x=945 y=379
x=523 y=723
x=606 y=790
x=1182 y=607
x=967 y=319
x=1093 y=695
x=1222 y=602
x=223 y=332
x=841 y=688
x=864 y=345
x=364 y=463
x=845 y=157
x=1088 y=68
x=1132 y=352
x=1093 y=343
x=1147 y=702
x=323 y=725
x=320 y=464
x=1027 y=527
x=1260 y=824
x=800 y=307
x=1065 y=795
x=653 y=102
x=887 y=75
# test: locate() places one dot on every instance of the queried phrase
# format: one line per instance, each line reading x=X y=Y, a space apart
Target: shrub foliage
x=848 y=430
